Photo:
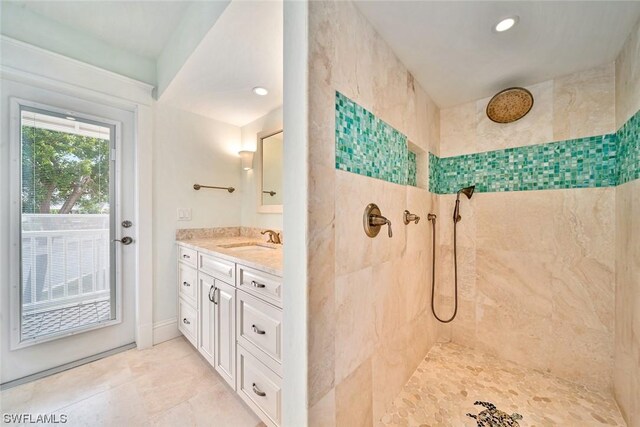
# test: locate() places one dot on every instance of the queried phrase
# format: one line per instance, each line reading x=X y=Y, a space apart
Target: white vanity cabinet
x=225 y=332
x=232 y=314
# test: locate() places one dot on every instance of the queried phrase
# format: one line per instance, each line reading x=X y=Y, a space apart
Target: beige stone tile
x=582 y=355
x=418 y=235
x=524 y=221
x=354 y=405
x=171 y=383
x=583 y=293
x=119 y=406
x=463 y=327
x=353 y=246
x=428 y=119
x=515 y=281
x=458 y=130
x=322 y=309
x=535 y=128
x=390 y=368
x=585 y=224
x=445 y=270
x=389 y=298
x=355 y=321
x=323 y=413
x=214 y=404
x=68 y=387
x=523 y=338
x=628 y=78
x=416 y=283
x=391 y=202
x=466 y=227
x=584 y=103
x=135 y=388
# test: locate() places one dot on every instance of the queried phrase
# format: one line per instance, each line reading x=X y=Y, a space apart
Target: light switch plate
x=184 y=214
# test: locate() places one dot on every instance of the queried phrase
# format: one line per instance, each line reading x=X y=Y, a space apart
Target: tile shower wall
x=578 y=163
x=368 y=146
x=369 y=322
x=537 y=268
x=627 y=247
x=595 y=161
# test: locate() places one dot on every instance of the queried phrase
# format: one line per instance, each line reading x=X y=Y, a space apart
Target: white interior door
x=72 y=289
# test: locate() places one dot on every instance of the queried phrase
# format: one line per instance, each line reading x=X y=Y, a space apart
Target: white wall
x=29 y=27
x=189 y=149
x=250 y=216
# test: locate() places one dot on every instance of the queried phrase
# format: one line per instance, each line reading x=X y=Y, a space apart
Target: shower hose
x=455 y=273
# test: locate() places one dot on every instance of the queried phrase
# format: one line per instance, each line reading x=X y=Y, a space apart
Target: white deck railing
x=65 y=260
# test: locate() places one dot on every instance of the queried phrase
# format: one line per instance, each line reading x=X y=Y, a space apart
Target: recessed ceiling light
x=70 y=118
x=260 y=91
x=506 y=24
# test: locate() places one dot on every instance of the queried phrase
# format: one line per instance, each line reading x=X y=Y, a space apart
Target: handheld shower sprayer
x=467 y=191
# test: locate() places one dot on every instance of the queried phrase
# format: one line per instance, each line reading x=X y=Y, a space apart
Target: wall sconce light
x=247 y=159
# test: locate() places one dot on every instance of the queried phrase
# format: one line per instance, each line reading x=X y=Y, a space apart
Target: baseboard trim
x=165 y=330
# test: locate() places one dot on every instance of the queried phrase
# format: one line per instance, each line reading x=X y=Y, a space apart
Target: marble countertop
x=267 y=260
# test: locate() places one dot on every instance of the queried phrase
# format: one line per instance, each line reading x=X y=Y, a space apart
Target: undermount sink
x=248 y=246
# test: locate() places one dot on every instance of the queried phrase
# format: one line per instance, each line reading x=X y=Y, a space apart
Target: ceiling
x=452 y=50
x=242 y=50
x=140 y=27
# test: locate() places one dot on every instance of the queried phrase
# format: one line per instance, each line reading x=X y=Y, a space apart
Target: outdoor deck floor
x=61 y=319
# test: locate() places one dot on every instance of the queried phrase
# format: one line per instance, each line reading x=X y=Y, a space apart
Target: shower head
x=467 y=191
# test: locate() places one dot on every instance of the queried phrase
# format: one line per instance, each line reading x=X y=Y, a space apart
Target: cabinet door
x=225 y=335
x=206 y=286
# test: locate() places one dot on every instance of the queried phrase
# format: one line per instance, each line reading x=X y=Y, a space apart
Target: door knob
x=125 y=240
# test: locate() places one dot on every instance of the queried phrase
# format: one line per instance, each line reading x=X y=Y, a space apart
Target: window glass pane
x=66 y=201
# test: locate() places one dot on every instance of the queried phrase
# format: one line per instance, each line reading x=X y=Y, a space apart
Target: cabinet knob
x=257 y=391
x=185 y=321
x=186 y=284
x=186 y=256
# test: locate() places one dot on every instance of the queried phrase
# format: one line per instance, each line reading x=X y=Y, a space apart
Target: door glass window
x=67 y=260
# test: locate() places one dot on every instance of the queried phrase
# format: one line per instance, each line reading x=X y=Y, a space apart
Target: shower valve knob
x=373 y=221
x=409 y=217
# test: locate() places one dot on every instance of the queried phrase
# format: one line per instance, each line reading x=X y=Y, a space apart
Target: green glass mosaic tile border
x=412 y=169
x=576 y=163
x=368 y=146
x=597 y=161
x=628 y=156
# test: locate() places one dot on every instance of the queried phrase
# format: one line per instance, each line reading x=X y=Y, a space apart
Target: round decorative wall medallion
x=510 y=105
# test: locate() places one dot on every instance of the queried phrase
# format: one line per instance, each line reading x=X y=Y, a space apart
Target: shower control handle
x=409 y=217
x=373 y=221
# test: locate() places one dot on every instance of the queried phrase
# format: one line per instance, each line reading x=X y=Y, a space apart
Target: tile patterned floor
x=444 y=387
x=167 y=385
x=62 y=319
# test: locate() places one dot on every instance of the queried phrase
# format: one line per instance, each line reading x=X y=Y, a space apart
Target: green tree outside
x=63 y=173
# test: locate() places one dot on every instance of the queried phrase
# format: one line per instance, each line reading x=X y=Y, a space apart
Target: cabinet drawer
x=263 y=285
x=188 y=283
x=260 y=388
x=259 y=325
x=218 y=268
x=188 y=321
x=188 y=256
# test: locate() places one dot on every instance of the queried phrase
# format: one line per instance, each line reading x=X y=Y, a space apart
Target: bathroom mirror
x=270 y=146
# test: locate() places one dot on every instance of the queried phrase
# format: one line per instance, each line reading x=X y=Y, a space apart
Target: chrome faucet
x=274 y=237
